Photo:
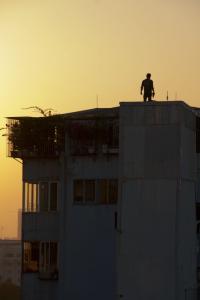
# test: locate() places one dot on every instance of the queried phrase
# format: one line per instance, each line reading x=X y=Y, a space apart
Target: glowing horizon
x=62 y=55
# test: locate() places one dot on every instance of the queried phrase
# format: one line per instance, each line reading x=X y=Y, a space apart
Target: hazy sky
x=61 y=54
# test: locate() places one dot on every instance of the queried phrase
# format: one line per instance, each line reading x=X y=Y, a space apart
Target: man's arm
x=152 y=88
x=142 y=86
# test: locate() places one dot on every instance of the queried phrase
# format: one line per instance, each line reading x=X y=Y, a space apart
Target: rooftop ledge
x=155 y=102
x=92 y=131
x=108 y=112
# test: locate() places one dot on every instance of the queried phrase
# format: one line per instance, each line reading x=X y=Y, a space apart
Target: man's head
x=148 y=76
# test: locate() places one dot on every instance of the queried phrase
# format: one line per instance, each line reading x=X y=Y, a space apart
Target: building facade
x=109 y=202
x=10 y=261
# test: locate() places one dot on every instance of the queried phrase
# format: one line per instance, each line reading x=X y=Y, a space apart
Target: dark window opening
x=53 y=196
x=198 y=134
x=48 y=260
x=198 y=274
x=102 y=195
x=113 y=191
x=198 y=228
x=100 y=191
x=44 y=194
x=198 y=211
x=31 y=257
x=48 y=256
x=40 y=197
x=41 y=257
x=78 y=190
x=54 y=254
x=89 y=190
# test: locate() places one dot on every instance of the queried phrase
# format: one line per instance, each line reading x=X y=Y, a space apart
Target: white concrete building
x=10 y=261
x=109 y=200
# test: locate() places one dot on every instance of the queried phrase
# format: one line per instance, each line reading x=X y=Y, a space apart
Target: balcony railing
x=35 y=138
x=92 y=137
x=45 y=137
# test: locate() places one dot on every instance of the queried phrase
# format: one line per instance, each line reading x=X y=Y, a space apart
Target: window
x=112 y=191
x=198 y=211
x=84 y=191
x=198 y=228
x=41 y=257
x=89 y=190
x=49 y=257
x=44 y=196
x=53 y=196
x=107 y=191
x=100 y=191
x=198 y=274
x=31 y=196
x=78 y=191
x=31 y=257
x=40 y=197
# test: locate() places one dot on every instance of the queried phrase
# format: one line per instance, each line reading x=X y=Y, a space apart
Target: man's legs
x=145 y=97
x=149 y=98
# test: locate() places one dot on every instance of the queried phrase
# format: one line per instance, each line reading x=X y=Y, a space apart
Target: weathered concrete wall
x=36 y=289
x=40 y=226
x=41 y=169
x=88 y=248
x=157 y=204
x=152 y=255
x=91 y=254
x=146 y=251
x=86 y=233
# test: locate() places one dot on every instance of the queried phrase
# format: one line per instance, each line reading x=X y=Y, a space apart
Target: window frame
x=197 y=208
x=25 y=268
x=32 y=196
x=97 y=183
x=47 y=268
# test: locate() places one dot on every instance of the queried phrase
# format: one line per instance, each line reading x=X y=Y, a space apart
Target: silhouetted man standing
x=147 y=85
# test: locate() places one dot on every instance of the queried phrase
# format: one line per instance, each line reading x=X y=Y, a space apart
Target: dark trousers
x=147 y=97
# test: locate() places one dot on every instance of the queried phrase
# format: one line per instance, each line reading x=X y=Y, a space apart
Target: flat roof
x=82 y=114
x=111 y=112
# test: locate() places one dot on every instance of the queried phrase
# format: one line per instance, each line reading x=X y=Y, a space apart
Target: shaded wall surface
x=88 y=235
x=157 y=241
x=152 y=252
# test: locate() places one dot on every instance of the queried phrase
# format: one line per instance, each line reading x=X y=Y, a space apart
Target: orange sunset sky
x=61 y=54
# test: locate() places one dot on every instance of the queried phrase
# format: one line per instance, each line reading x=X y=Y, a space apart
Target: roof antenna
x=167 y=96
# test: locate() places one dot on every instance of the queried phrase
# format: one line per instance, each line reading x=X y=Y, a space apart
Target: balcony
x=94 y=133
x=35 y=137
x=94 y=137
